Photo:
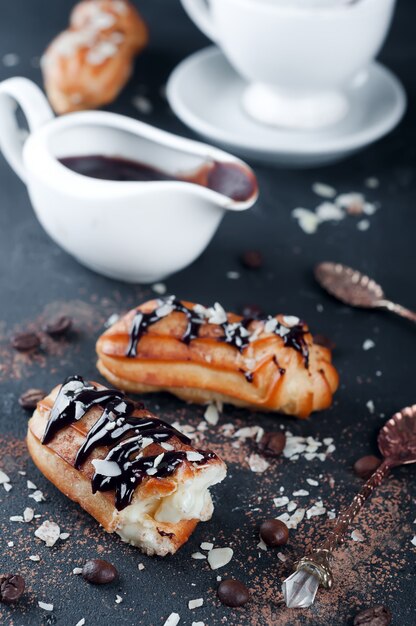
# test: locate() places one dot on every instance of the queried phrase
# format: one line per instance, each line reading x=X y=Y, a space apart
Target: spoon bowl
x=397 y=438
x=356 y=289
x=349 y=285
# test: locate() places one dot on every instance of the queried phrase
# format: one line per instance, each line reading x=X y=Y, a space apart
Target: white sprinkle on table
x=45 y=606
x=356 y=535
x=173 y=620
x=143 y=104
x=10 y=60
x=363 y=225
x=159 y=288
x=368 y=344
x=323 y=190
x=211 y=415
x=219 y=557
x=195 y=604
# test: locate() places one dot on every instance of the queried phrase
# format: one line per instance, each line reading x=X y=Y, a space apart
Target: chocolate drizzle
x=236 y=334
x=127 y=435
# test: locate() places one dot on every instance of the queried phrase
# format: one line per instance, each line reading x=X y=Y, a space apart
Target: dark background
x=38 y=279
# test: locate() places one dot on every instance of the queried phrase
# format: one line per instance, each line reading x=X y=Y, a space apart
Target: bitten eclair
x=134 y=473
x=204 y=354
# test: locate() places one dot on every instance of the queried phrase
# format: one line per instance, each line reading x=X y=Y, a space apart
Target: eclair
x=204 y=354
x=134 y=473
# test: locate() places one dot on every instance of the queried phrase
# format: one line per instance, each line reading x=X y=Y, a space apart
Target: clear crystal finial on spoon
x=397 y=444
x=356 y=289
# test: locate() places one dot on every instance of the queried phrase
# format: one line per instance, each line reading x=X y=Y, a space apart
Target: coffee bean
x=99 y=572
x=233 y=593
x=30 y=398
x=374 y=616
x=272 y=443
x=252 y=311
x=274 y=532
x=252 y=259
x=325 y=342
x=58 y=326
x=12 y=587
x=24 y=342
x=366 y=466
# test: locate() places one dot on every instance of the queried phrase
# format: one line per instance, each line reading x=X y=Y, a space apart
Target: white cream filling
x=190 y=500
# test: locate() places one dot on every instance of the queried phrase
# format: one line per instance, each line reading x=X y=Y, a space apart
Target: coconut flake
x=323 y=190
x=143 y=104
x=81 y=622
x=356 y=535
x=140 y=567
x=363 y=225
x=34 y=557
x=283 y=501
x=45 y=606
x=77 y=570
x=315 y=510
x=106 y=468
x=368 y=344
x=301 y=492
x=205 y=545
x=3 y=478
x=211 y=415
x=37 y=496
x=173 y=620
x=30 y=485
x=218 y=557
x=198 y=556
x=118 y=599
x=28 y=514
x=195 y=604
x=413 y=541
x=257 y=463
x=48 y=532
x=159 y=288
x=312 y=482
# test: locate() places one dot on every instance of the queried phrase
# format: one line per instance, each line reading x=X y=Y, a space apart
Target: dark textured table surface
x=38 y=279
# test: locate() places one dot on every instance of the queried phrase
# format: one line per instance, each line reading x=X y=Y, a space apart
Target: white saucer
x=205 y=93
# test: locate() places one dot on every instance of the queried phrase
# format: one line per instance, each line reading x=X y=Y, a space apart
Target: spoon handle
x=398 y=309
x=347 y=516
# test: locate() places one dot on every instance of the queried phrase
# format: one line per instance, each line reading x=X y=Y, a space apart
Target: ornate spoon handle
x=337 y=535
x=398 y=309
x=320 y=558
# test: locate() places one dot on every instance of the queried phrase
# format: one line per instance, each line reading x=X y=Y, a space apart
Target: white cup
x=297 y=56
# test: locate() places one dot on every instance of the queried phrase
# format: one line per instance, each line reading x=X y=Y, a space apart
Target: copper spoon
x=356 y=289
x=397 y=444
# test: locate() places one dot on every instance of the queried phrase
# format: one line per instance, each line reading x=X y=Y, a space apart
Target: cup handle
x=36 y=109
x=199 y=12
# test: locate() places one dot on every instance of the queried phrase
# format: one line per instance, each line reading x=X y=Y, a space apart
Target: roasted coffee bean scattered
x=252 y=311
x=58 y=326
x=252 y=259
x=374 y=616
x=325 y=342
x=12 y=587
x=272 y=443
x=30 y=398
x=25 y=342
x=99 y=572
x=366 y=466
x=274 y=532
x=233 y=593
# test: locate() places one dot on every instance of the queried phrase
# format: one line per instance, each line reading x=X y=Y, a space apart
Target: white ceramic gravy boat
x=131 y=231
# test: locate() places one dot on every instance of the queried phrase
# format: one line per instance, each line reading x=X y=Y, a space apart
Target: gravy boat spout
x=132 y=228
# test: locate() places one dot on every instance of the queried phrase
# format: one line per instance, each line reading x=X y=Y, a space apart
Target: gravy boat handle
x=35 y=107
